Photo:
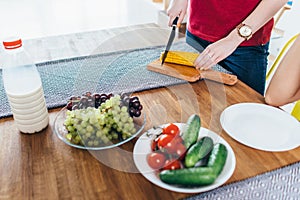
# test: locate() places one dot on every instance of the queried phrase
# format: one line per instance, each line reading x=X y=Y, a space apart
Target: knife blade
x=170 y=41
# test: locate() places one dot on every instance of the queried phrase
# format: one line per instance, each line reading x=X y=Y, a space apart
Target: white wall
x=35 y=18
x=290 y=24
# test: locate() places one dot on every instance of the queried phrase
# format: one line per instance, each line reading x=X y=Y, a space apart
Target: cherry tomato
x=171 y=146
x=178 y=140
x=180 y=151
x=172 y=164
x=172 y=129
x=163 y=140
x=156 y=160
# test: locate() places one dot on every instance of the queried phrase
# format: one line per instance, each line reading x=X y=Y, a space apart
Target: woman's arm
x=221 y=49
x=284 y=87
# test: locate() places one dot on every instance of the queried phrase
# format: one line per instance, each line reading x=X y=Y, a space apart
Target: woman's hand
x=217 y=51
x=177 y=9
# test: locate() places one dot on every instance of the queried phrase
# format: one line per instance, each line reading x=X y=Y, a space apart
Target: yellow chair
x=296 y=109
x=281 y=54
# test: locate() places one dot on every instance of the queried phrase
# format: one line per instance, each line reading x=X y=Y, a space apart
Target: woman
x=234 y=33
x=284 y=86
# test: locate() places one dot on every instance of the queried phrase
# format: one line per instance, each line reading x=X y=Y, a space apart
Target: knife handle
x=175 y=21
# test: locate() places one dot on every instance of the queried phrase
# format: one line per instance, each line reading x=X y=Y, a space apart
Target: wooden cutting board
x=191 y=74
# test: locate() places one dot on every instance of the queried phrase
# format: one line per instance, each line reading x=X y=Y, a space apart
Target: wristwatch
x=244 y=31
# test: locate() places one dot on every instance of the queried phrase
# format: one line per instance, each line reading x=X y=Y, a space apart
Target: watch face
x=245 y=31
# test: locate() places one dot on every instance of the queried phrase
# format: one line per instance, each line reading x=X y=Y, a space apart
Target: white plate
x=261 y=126
x=142 y=148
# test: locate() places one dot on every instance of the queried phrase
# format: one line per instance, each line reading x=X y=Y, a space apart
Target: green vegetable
x=189 y=176
x=191 y=130
x=198 y=151
x=217 y=158
x=198 y=176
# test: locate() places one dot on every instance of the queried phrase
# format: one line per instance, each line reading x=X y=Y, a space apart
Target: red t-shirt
x=212 y=20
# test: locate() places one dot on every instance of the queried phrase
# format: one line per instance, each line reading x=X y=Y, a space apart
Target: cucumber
x=191 y=130
x=198 y=176
x=217 y=158
x=198 y=151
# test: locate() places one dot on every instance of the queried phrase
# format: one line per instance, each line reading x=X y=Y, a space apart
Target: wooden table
x=40 y=166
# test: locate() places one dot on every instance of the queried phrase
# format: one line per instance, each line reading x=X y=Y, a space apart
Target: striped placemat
x=280 y=184
x=116 y=72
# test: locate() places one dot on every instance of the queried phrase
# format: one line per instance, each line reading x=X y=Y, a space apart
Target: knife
x=170 y=41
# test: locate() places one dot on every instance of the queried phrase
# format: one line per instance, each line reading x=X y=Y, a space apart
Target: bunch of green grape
x=94 y=127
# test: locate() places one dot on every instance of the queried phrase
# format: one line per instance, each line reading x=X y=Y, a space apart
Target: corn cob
x=180 y=57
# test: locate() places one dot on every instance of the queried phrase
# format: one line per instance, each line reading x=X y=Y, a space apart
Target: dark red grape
x=75 y=107
x=90 y=98
x=69 y=105
x=126 y=100
x=137 y=113
x=90 y=103
x=132 y=99
x=131 y=112
x=103 y=99
x=97 y=104
x=140 y=107
x=88 y=94
x=136 y=104
x=83 y=100
x=96 y=96
x=103 y=96
x=94 y=100
x=73 y=98
x=124 y=95
x=82 y=106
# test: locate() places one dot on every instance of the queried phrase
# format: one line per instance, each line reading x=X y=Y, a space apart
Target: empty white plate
x=261 y=126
